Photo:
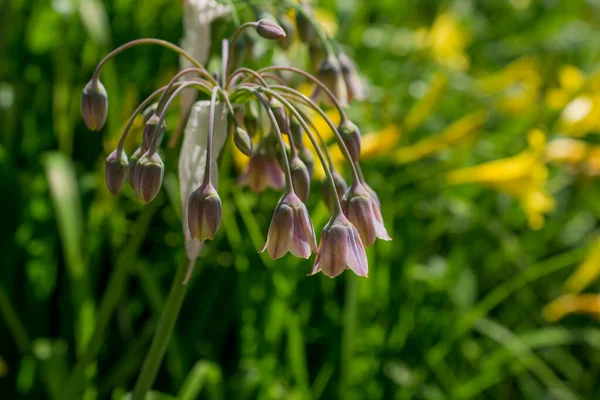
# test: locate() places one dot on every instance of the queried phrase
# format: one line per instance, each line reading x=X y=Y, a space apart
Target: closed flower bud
x=355 y=87
x=327 y=194
x=116 y=171
x=270 y=30
x=289 y=29
x=251 y=121
x=351 y=137
x=94 y=105
x=291 y=230
x=150 y=130
x=340 y=249
x=330 y=73
x=204 y=212
x=300 y=178
x=242 y=141
x=132 y=163
x=362 y=211
x=148 y=176
x=308 y=159
x=281 y=116
x=297 y=134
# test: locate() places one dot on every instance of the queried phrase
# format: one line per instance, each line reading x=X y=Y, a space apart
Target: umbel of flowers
x=355 y=220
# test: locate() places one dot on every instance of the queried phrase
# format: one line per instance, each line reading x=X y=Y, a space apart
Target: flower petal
x=356 y=258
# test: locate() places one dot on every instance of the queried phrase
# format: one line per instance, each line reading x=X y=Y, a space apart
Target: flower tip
x=270 y=30
x=94 y=105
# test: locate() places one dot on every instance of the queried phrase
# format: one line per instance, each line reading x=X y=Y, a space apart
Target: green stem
x=164 y=331
x=236 y=34
x=348 y=333
x=159 y=42
x=163 y=98
x=13 y=323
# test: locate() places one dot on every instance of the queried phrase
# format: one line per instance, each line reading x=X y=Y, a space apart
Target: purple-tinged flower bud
x=297 y=134
x=355 y=86
x=116 y=171
x=327 y=194
x=351 y=137
x=289 y=29
x=242 y=141
x=150 y=130
x=251 y=121
x=306 y=31
x=270 y=30
x=291 y=229
x=281 y=116
x=261 y=172
x=149 y=112
x=133 y=160
x=300 y=178
x=94 y=105
x=148 y=176
x=330 y=73
x=362 y=210
x=308 y=159
x=340 y=249
x=204 y=212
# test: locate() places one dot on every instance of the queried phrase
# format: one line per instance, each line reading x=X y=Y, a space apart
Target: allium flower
x=290 y=230
x=330 y=73
x=354 y=85
x=270 y=30
x=204 y=212
x=148 y=176
x=363 y=211
x=262 y=172
x=300 y=178
x=94 y=105
x=116 y=171
x=327 y=193
x=340 y=249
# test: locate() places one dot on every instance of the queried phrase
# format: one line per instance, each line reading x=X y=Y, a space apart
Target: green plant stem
x=348 y=333
x=163 y=333
x=109 y=302
x=13 y=323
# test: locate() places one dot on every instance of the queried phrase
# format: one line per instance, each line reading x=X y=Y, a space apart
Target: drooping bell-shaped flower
x=94 y=105
x=204 y=212
x=355 y=87
x=330 y=73
x=300 y=178
x=351 y=137
x=116 y=171
x=340 y=249
x=364 y=213
x=148 y=176
x=261 y=172
x=291 y=229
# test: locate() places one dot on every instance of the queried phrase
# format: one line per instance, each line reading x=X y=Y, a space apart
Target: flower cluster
x=269 y=123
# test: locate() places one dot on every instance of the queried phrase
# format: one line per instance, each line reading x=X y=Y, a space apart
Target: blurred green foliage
x=452 y=307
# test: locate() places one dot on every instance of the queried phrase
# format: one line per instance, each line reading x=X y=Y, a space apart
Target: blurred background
x=480 y=135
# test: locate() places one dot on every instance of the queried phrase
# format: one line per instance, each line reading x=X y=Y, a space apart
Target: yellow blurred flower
x=573 y=303
x=517 y=86
x=428 y=103
x=446 y=40
x=463 y=129
x=582 y=156
x=522 y=176
x=587 y=271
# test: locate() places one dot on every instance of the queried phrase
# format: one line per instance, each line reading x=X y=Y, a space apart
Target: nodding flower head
x=242 y=141
x=326 y=192
x=116 y=171
x=94 y=105
x=300 y=178
x=364 y=213
x=330 y=73
x=355 y=87
x=291 y=229
x=351 y=137
x=269 y=30
x=261 y=172
x=281 y=116
x=204 y=212
x=340 y=249
x=148 y=176
x=151 y=129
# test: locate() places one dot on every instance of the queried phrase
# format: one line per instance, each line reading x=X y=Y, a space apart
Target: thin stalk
x=164 y=330
x=315 y=80
x=138 y=42
x=163 y=98
x=224 y=61
x=209 y=136
x=247 y=71
x=348 y=333
x=340 y=141
x=236 y=34
x=337 y=207
x=155 y=138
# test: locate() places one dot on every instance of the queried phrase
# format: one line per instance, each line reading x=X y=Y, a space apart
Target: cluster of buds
x=264 y=111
